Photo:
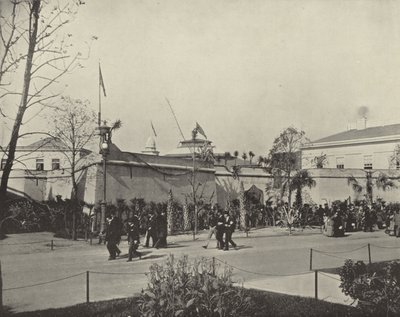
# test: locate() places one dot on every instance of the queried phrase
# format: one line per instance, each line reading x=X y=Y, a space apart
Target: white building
x=351 y=154
x=362 y=148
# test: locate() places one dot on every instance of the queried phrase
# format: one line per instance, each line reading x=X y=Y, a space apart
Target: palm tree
x=260 y=160
x=244 y=157
x=300 y=180
x=236 y=154
x=227 y=155
x=382 y=182
x=251 y=155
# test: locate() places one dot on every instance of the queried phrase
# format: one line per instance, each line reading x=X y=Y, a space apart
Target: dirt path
x=27 y=259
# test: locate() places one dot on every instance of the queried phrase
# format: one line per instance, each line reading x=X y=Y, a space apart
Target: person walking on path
x=161 y=231
x=151 y=231
x=220 y=228
x=133 y=238
x=212 y=224
x=229 y=228
x=113 y=236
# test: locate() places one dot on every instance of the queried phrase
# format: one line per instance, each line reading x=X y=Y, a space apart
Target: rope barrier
x=43 y=283
x=346 y=251
x=263 y=274
x=385 y=247
x=119 y=273
x=340 y=257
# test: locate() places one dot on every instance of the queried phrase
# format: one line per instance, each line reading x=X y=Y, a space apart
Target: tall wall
x=332 y=184
x=126 y=180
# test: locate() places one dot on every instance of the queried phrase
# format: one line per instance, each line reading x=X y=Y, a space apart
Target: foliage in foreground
x=265 y=304
x=377 y=288
x=179 y=288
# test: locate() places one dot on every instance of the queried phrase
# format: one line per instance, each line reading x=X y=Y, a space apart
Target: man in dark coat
x=229 y=228
x=113 y=236
x=162 y=231
x=220 y=228
x=133 y=238
x=151 y=230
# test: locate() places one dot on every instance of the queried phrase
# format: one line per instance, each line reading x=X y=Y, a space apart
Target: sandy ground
x=267 y=259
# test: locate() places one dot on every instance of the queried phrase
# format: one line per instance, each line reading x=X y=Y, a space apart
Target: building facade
x=129 y=175
x=354 y=154
x=366 y=148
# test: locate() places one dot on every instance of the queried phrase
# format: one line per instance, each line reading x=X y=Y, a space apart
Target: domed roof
x=150 y=147
x=150 y=143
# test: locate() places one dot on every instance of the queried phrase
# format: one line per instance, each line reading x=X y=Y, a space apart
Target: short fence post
x=213 y=265
x=316 y=284
x=1 y=290
x=311 y=259
x=369 y=253
x=52 y=245
x=87 y=287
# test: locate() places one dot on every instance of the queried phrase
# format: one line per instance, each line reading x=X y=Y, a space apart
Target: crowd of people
x=343 y=217
x=156 y=231
x=334 y=219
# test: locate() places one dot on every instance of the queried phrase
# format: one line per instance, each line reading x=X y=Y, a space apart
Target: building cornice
x=384 y=139
x=158 y=165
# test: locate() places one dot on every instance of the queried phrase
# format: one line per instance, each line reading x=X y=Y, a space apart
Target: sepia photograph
x=214 y=158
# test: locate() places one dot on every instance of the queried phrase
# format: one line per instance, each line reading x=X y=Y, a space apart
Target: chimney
x=362 y=123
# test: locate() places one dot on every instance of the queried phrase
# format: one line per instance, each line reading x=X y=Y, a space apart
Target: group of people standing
x=156 y=230
x=113 y=236
x=342 y=217
x=222 y=225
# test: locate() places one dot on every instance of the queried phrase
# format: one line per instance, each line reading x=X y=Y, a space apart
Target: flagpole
x=99 y=114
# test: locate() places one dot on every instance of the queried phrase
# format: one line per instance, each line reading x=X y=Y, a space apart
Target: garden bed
x=265 y=304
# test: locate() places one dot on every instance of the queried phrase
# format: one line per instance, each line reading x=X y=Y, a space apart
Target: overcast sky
x=245 y=70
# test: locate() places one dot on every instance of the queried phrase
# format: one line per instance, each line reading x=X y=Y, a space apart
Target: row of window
x=55 y=164
x=367 y=162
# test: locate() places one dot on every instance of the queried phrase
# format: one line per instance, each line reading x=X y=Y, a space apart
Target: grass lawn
x=265 y=304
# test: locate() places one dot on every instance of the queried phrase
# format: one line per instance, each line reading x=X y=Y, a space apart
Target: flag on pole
x=152 y=126
x=200 y=130
x=101 y=82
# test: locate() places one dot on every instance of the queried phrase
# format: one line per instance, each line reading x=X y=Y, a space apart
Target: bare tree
x=32 y=34
x=73 y=126
x=283 y=157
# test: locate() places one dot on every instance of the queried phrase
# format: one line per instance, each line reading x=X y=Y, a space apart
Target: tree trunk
x=74 y=199
x=170 y=213
x=242 y=204
x=186 y=217
x=299 y=199
x=34 y=16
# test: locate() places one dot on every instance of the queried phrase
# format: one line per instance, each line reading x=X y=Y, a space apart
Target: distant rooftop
x=356 y=134
x=44 y=144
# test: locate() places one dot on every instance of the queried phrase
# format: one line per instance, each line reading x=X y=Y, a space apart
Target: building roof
x=48 y=144
x=354 y=134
